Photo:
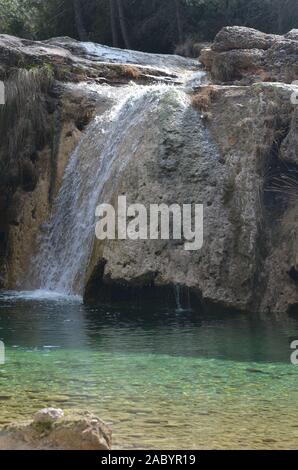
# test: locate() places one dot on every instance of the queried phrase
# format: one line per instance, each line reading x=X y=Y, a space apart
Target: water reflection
x=32 y=323
x=165 y=379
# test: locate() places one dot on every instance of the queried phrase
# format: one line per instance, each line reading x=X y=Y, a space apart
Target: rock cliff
x=230 y=145
x=235 y=162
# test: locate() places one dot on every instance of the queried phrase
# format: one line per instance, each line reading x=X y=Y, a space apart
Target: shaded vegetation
x=203 y=98
x=149 y=25
x=23 y=123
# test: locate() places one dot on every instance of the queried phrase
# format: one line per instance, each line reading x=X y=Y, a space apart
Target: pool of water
x=164 y=379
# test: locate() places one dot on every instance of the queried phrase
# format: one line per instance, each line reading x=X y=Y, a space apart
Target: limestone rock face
x=74 y=61
x=293 y=34
x=246 y=55
x=206 y=57
x=41 y=124
x=231 y=146
x=239 y=37
x=234 y=162
x=32 y=169
x=51 y=430
x=47 y=109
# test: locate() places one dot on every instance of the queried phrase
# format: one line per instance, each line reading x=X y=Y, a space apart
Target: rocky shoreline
x=51 y=429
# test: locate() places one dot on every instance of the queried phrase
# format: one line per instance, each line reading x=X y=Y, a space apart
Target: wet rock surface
x=231 y=167
x=73 y=61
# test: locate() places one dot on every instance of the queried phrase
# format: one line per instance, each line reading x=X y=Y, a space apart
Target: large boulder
x=50 y=429
x=240 y=37
x=245 y=55
x=48 y=415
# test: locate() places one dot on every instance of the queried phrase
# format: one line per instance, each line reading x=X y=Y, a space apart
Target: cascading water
x=98 y=161
x=61 y=262
x=177 y=289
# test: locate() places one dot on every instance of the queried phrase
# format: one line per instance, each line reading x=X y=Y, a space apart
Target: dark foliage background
x=149 y=25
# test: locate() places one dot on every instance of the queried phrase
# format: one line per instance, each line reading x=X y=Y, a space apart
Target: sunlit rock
x=48 y=415
x=50 y=429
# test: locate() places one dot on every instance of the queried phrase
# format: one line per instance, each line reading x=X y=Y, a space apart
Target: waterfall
x=105 y=149
x=96 y=165
x=182 y=298
x=177 y=289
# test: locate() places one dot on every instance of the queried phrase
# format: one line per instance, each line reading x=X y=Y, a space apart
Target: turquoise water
x=162 y=379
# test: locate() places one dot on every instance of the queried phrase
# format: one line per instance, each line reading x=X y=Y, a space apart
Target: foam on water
x=38 y=295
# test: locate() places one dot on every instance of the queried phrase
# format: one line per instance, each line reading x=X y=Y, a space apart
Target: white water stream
x=104 y=150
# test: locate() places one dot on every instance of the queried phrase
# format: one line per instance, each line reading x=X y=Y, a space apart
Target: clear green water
x=163 y=379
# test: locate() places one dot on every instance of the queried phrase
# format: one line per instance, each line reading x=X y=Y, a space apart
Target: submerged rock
x=50 y=429
x=48 y=415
